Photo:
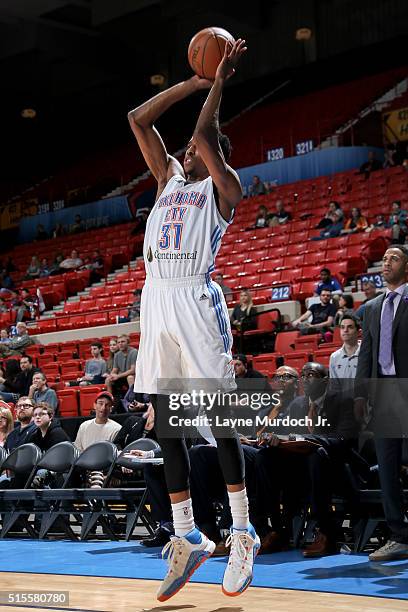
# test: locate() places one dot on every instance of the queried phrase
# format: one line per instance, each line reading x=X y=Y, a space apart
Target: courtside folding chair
x=60 y=460
x=101 y=457
x=138 y=510
x=17 y=502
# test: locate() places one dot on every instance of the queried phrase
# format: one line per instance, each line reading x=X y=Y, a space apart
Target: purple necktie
x=385 y=351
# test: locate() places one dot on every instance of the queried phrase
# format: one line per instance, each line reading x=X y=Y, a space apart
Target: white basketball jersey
x=184 y=230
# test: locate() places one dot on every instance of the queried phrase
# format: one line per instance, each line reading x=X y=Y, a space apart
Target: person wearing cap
x=101 y=428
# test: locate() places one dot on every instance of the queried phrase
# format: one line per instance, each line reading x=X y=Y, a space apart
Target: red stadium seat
x=296 y=360
x=69 y=368
x=68 y=402
x=45 y=358
x=50 y=369
x=285 y=341
x=97 y=318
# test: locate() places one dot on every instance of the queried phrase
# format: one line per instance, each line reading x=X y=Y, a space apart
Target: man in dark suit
x=383 y=357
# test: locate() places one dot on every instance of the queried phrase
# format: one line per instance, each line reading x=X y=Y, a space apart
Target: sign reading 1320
x=304 y=147
x=275 y=154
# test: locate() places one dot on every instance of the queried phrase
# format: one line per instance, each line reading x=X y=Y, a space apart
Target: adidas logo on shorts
x=203 y=297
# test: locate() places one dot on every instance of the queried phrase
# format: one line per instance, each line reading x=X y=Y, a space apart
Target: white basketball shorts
x=185 y=333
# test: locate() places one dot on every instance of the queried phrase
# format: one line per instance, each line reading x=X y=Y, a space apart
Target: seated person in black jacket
x=48 y=432
x=136 y=427
x=328 y=421
x=243 y=316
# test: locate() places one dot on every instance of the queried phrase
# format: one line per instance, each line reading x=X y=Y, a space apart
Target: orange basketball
x=206 y=49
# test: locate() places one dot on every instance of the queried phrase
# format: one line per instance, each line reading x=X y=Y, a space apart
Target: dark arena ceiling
x=82 y=64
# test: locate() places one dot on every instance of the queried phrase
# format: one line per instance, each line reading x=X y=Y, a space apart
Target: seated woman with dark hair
x=332 y=223
x=346 y=305
x=356 y=223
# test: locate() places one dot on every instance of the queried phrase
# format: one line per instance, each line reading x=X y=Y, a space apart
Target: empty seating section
x=314 y=116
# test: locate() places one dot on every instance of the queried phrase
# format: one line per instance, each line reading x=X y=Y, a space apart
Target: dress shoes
x=320 y=547
x=160 y=538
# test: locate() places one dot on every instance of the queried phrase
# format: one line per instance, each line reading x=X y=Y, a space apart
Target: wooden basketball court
x=101 y=594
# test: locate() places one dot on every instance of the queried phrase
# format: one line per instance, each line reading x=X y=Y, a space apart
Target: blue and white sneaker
x=238 y=575
x=184 y=556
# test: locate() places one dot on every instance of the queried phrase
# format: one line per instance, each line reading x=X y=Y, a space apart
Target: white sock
x=183 y=518
x=239 y=509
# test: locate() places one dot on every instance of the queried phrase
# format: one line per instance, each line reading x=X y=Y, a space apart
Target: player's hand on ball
x=200 y=83
x=232 y=55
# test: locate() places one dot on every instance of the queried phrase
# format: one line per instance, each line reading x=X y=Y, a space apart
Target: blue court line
x=345 y=574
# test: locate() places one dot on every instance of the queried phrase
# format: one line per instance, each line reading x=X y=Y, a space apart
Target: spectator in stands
x=262 y=217
x=55 y=267
x=343 y=362
x=4 y=335
x=113 y=349
x=332 y=223
x=33 y=270
x=258 y=187
x=73 y=262
x=41 y=233
x=24 y=378
x=59 y=231
x=40 y=392
x=370 y=291
x=78 y=225
x=280 y=217
x=101 y=427
x=140 y=222
x=240 y=364
x=346 y=304
x=45 y=268
x=371 y=165
x=219 y=279
x=7 y=283
x=24 y=426
x=122 y=375
x=134 y=310
x=18 y=344
x=8 y=383
x=380 y=223
x=6 y=422
x=356 y=223
x=97 y=265
x=3 y=306
x=136 y=427
x=389 y=156
x=398 y=223
x=244 y=314
x=27 y=306
x=95 y=368
x=322 y=316
x=47 y=432
x=329 y=283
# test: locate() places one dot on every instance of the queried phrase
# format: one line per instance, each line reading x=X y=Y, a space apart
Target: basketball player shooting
x=185 y=330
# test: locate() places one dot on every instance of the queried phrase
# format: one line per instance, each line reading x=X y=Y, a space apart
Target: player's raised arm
x=142 y=119
x=207 y=130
